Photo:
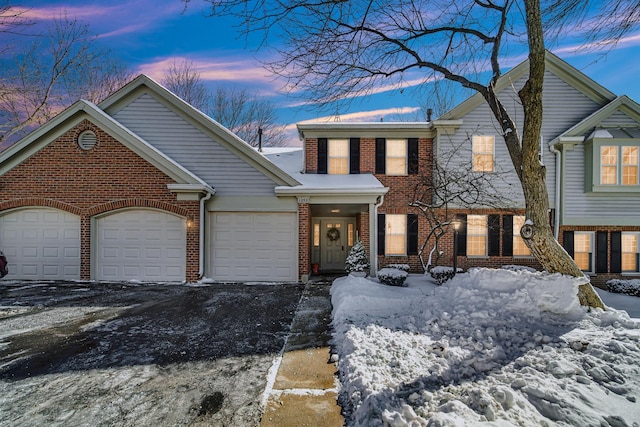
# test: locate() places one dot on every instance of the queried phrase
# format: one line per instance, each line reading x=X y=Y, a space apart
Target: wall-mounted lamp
x=189 y=223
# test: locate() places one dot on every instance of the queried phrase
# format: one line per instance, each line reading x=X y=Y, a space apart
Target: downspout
x=203 y=201
x=556 y=217
x=373 y=270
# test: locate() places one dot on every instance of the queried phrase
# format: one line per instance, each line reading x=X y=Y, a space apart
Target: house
x=145 y=187
x=589 y=147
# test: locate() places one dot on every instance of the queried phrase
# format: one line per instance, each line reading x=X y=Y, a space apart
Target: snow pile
x=492 y=347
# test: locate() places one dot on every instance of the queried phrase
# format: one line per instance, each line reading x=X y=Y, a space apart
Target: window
x=395 y=235
x=630 y=252
x=396 y=161
x=610 y=157
x=519 y=247
x=483 y=153
x=316 y=234
x=338 y=156
x=476 y=235
x=350 y=234
x=583 y=250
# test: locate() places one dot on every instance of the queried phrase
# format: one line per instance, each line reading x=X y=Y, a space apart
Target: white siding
x=190 y=147
x=563 y=107
x=594 y=208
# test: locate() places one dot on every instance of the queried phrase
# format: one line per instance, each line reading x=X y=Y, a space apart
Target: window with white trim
x=618 y=165
x=483 y=148
x=630 y=255
x=583 y=250
x=395 y=234
x=396 y=161
x=477 y=235
x=338 y=156
x=519 y=247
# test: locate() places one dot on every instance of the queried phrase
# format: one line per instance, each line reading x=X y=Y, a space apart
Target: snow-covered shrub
x=403 y=267
x=628 y=287
x=357 y=259
x=392 y=276
x=442 y=274
x=512 y=267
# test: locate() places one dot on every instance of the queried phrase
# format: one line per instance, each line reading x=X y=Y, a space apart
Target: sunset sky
x=149 y=34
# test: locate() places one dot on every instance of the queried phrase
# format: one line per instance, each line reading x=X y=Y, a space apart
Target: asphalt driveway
x=139 y=354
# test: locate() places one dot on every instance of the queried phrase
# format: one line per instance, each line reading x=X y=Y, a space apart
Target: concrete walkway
x=304 y=391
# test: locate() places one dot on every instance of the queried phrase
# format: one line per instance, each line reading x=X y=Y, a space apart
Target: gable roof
x=554 y=64
x=622 y=103
x=81 y=110
x=206 y=124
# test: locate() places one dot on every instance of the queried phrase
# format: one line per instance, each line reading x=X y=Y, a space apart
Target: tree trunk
x=538 y=236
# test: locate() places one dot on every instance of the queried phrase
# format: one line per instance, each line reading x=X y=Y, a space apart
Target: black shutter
x=354 y=155
x=381 y=230
x=322 y=155
x=381 y=155
x=412 y=234
x=462 y=234
x=412 y=153
x=567 y=242
x=494 y=235
x=602 y=251
x=616 y=252
x=507 y=235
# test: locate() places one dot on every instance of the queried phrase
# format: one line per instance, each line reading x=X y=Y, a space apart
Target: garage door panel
x=141 y=245
x=249 y=246
x=41 y=243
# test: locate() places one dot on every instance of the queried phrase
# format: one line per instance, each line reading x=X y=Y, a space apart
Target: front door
x=334 y=248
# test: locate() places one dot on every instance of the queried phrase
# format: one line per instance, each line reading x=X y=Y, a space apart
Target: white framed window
x=630 y=255
x=316 y=234
x=519 y=247
x=396 y=161
x=338 y=156
x=619 y=165
x=477 y=235
x=483 y=148
x=395 y=235
x=583 y=250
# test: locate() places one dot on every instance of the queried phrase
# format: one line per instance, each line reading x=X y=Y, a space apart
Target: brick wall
x=89 y=183
x=304 y=246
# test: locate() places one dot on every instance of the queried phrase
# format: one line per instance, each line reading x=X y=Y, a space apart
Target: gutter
x=556 y=219
x=373 y=269
x=203 y=201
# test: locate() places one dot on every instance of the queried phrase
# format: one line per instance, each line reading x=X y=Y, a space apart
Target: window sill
x=630 y=273
x=608 y=189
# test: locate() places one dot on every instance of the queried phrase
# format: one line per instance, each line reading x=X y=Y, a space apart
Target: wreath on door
x=333 y=234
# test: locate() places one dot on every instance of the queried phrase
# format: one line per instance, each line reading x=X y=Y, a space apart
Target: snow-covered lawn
x=490 y=347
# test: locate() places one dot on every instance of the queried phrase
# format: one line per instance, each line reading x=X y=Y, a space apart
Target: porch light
x=335 y=210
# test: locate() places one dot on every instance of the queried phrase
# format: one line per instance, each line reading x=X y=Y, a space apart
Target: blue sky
x=149 y=34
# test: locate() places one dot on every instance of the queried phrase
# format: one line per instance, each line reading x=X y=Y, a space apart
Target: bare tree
x=246 y=115
x=51 y=72
x=183 y=79
x=453 y=183
x=334 y=49
x=241 y=112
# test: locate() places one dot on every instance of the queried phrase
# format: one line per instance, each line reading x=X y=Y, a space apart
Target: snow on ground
x=489 y=347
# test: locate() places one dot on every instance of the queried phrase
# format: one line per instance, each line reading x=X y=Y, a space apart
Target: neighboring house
x=145 y=187
x=590 y=146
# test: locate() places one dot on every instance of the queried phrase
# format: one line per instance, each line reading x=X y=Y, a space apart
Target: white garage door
x=254 y=246
x=140 y=244
x=41 y=243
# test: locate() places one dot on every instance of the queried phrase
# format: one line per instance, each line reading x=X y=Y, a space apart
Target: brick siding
x=92 y=182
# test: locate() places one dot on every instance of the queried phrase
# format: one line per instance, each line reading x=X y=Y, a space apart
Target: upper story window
x=618 y=165
x=519 y=247
x=396 y=157
x=338 y=156
x=476 y=235
x=483 y=153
